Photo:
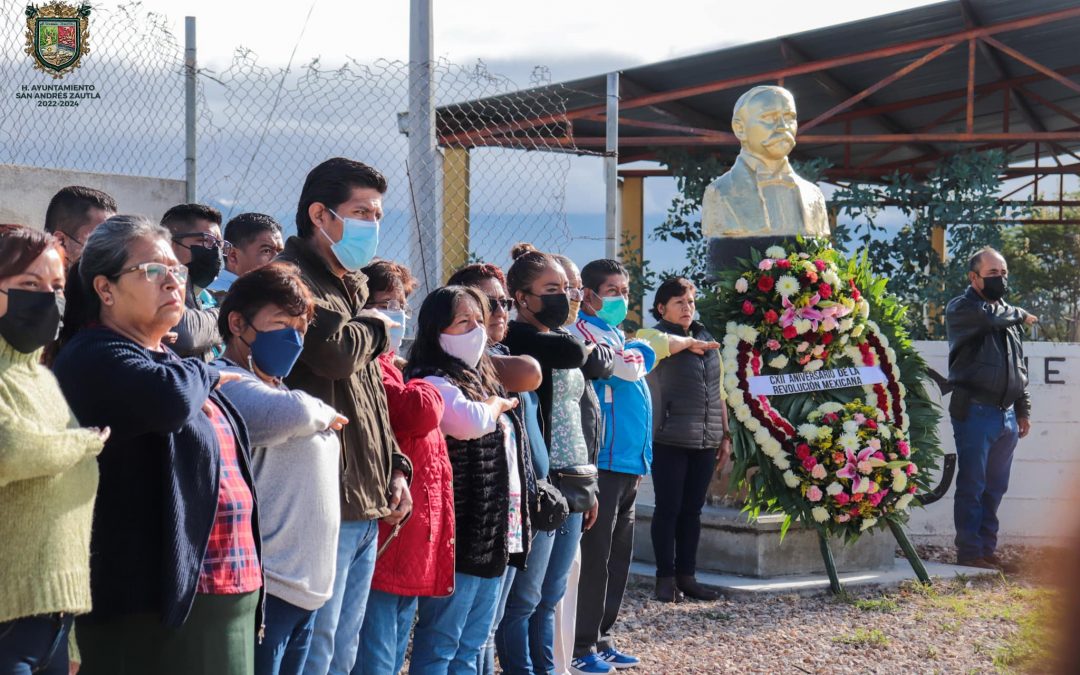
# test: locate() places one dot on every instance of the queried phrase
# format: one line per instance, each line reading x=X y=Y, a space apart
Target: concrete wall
x=1042 y=505
x=25 y=192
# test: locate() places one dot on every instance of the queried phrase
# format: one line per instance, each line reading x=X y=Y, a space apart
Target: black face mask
x=995 y=288
x=32 y=320
x=205 y=265
x=554 y=310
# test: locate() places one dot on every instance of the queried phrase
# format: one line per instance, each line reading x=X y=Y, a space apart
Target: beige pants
x=565 y=613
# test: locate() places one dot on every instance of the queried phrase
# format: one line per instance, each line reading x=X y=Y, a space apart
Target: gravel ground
x=959 y=626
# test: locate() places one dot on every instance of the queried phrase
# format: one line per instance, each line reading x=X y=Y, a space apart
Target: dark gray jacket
x=686 y=394
x=986 y=355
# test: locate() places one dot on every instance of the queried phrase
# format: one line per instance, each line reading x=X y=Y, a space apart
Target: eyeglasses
x=495 y=304
x=157 y=273
x=575 y=294
x=390 y=306
x=206 y=240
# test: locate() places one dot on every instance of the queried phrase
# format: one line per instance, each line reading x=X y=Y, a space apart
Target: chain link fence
x=261 y=128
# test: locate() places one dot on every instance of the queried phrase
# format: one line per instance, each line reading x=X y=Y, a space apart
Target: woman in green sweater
x=48 y=470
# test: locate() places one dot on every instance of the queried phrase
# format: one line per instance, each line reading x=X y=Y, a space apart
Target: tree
x=1043 y=263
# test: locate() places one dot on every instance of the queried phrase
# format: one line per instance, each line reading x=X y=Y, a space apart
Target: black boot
x=666 y=591
x=689 y=585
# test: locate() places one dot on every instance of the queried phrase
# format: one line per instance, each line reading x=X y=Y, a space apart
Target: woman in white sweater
x=295 y=454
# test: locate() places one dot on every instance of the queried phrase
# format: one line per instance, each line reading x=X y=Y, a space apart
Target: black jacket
x=687 y=399
x=555 y=350
x=197 y=333
x=986 y=355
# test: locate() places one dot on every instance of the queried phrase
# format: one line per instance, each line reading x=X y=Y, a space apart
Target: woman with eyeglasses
x=48 y=476
x=540 y=290
x=416 y=557
x=175 y=567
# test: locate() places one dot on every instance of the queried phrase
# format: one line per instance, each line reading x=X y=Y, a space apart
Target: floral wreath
x=844 y=459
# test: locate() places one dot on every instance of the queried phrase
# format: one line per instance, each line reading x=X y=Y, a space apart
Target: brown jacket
x=339 y=365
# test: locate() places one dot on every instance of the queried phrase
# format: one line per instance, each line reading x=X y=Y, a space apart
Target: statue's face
x=767 y=125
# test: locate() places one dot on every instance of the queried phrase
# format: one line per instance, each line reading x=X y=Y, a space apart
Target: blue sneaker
x=590 y=664
x=617 y=659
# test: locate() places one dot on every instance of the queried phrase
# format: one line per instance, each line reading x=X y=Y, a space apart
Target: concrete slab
x=737 y=587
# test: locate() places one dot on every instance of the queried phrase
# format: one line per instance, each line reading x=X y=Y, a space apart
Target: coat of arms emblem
x=56 y=36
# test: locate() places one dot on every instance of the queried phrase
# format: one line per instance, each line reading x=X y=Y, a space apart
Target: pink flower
x=747 y=307
x=878 y=455
x=855 y=465
x=912 y=469
x=766 y=264
x=773 y=344
x=842 y=498
x=809 y=463
x=876 y=498
x=825 y=290
x=904 y=448
x=843 y=518
x=814 y=493
x=819 y=472
x=784 y=264
x=803 y=346
x=820 y=264
x=912 y=489
x=874 y=443
x=859 y=417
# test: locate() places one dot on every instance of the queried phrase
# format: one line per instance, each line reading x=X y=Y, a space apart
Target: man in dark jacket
x=337 y=223
x=990 y=405
x=197 y=243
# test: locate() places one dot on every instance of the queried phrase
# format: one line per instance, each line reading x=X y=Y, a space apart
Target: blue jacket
x=625 y=403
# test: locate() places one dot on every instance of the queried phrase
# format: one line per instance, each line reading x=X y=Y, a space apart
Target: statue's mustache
x=785 y=136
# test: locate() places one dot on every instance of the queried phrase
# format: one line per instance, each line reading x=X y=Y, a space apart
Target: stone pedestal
x=731 y=545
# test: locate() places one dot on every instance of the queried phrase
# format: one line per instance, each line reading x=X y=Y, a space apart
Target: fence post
x=423 y=156
x=611 y=168
x=632 y=235
x=455 y=229
x=190 y=136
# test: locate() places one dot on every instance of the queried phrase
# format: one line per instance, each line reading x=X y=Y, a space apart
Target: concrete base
x=732 y=545
x=737 y=587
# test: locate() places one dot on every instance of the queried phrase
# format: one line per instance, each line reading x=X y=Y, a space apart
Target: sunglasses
x=495 y=304
x=157 y=273
x=206 y=240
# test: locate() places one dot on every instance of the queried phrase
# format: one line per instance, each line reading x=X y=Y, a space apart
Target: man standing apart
x=990 y=405
x=624 y=457
x=337 y=223
x=74 y=212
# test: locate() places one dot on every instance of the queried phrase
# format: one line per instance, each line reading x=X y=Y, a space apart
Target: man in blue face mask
x=337 y=224
x=625 y=456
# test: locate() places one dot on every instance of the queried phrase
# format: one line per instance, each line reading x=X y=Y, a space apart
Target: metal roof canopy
x=896 y=92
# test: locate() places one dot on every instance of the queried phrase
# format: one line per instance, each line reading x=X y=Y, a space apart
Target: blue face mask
x=358 y=244
x=613 y=311
x=397 y=334
x=276 y=351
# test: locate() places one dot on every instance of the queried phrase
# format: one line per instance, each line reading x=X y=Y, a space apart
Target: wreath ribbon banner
x=822 y=380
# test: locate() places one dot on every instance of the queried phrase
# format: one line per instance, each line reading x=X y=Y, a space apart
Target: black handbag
x=551 y=508
x=578 y=484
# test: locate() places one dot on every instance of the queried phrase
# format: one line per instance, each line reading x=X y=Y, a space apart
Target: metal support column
x=190 y=136
x=423 y=164
x=611 y=169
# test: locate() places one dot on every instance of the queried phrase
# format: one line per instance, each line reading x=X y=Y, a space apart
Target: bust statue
x=761 y=200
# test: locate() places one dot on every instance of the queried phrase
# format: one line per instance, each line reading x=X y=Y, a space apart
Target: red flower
x=812 y=277
x=765 y=284
x=747 y=307
x=790 y=333
x=820 y=264
x=857 y=497
x=771 y=316
x=802 y=451
x=824 y=290
x=842 y=498
x=826 y=338
x=838 y=458
x=871 y=424
x=831 y=418
x=809 y=463
x=784 y=264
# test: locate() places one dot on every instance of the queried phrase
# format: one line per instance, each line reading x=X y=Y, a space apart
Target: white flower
x=899 y=481
x=752 y=425
x=731 y=339
x=831 y=407
x=803 y=326
x=742 y=412
x=771 y=447
x=742 y=285
x=834 y=489
x=808 y=431
x=816 y=364
x=820 y=514
x=731 y=382
x=851 y=427
x=781 y=462
x=831 y=277
x=790 y=479
x=824 y=433
x=761 y=435
x=819 y=472
x=803 y=346
x=731 y=326
x=904 y=502
x=890 y=354
x=776 y=252
x=884 y=432
x=856 y=331
x=844 y=339
x=747 y=334
x=849 y=442
x=779 y=362
x=867 y=524
x=846 y=324
x=787 y=286
x=819 y=350
x=864 y=309
x=902 y=389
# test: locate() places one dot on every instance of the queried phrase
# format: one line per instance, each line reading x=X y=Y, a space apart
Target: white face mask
x=468 y=347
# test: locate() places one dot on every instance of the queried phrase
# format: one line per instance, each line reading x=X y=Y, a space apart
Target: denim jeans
x=985 y=442
x=338 y=622
x=35 y=644
x=450 y=632
x=680 y=479
x=542 y=623
x=512 y=632
x=485 y=665
x=284 y=648
x=385 y=635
